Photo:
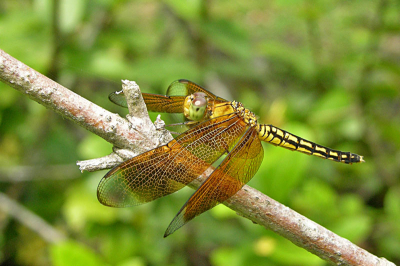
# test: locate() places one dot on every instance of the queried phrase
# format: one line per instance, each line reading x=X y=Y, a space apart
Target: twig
x=31 y=220
x=57 y=41
x=34 y=173
x=248 y=202
x=154 y=134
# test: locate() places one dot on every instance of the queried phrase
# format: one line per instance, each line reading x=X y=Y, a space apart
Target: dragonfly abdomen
x=282 y=138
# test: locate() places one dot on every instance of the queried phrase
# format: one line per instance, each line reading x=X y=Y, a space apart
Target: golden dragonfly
x=220 y=128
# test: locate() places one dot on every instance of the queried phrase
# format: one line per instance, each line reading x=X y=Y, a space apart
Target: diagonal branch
x=30 y=220
x=248 y=202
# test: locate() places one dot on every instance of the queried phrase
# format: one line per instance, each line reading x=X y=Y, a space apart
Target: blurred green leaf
x=313 y=200
x=94 y=146
x=333 y=107
x=228 y=37
x=71 y=14
x=189 y=10
x=392 y=203
x=60 y=145
x=297 y=256
x=226 y=256
x=133 y=262
x=297 y=60
x=81 y=207
x=8 y=97
x=353 y=228
x=221 y=211
x=120 y=243
x=73 y=254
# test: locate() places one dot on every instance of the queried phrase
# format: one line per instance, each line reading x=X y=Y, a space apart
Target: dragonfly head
x=196 y=106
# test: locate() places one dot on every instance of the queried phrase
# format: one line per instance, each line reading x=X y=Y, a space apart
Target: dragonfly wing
x=173 y=102
x=118 y=98
x=185 y=87
x=168 y=168
x=154 y=102
x=231 y=175
x=164 y=104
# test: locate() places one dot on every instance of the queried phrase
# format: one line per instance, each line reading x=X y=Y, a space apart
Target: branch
x=70 y=105
x=248 y=202
x=30 y=219
x=36 y=172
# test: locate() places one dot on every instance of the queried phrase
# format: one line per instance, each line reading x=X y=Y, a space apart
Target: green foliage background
x=325 y=70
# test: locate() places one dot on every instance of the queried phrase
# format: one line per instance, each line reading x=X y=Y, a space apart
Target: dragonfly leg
x=186 y=123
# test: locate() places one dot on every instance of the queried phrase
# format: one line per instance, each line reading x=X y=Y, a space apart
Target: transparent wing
x=231 y=175
x=164 y=104
x=118 y=98
x=184 y=87
x=168 y=168
x=172 y=102
x=154 y=102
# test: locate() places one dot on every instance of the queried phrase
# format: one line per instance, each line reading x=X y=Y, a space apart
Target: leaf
x=73 y=254
x=392 y=203
x=228 y=37
x=81 y=206
x=71 y=14
x=332 y=107
x=94 y=146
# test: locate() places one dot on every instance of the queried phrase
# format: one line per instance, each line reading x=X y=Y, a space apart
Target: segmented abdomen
x=282 y=138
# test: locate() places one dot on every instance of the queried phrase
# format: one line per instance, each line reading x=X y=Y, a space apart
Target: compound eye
x=199 y=102
x=199 y=94
x=198 y=107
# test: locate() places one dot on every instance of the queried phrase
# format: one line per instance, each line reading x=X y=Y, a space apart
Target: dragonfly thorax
x=248 y=116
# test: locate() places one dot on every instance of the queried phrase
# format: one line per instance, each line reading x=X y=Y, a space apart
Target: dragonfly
x=219 y=127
